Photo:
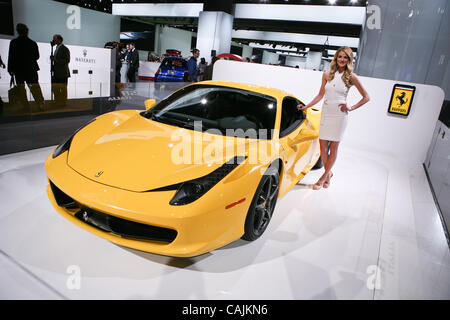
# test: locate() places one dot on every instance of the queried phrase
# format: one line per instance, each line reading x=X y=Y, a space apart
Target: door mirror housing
x=149 y=103
x=304 y=136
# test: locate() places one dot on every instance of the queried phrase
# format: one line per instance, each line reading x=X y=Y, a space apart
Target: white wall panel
x=214 y=33
x=332 y=14
x=370 y=127
x=296 y=61
x=173 y=38
x=313 y=60
x=247 y=51
x=44 y=18
x=270 y=57
x=157 y=9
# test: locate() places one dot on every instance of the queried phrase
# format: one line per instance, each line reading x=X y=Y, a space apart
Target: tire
x=318 y=164
x=261 y=210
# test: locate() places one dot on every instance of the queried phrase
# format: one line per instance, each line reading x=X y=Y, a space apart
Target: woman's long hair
x=348 y=69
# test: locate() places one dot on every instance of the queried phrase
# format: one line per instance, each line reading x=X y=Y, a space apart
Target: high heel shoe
x=317 y=186
x=327 y=182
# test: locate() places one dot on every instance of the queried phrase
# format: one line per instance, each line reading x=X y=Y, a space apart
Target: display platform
x=374 y=234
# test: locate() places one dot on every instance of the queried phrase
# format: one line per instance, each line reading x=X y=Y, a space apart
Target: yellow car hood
x=127 y=151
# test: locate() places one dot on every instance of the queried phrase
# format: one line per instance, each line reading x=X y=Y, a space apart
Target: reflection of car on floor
x=171 y=69
x=198 y=170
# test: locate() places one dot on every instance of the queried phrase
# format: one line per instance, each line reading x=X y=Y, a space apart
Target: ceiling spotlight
x=332 y=1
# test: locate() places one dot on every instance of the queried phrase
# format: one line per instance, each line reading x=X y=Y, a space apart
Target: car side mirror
x=149 y=103
x=304 y=136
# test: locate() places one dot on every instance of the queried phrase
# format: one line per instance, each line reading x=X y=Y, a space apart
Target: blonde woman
x=335 y=85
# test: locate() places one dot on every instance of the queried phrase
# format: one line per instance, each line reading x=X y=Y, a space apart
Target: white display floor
x=328 y=244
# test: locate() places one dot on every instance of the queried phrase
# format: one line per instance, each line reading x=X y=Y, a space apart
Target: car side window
x=291 y=117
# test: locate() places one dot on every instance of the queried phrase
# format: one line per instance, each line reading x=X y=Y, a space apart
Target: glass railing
x=45 y=98
x=27 y=124
x=97 y=98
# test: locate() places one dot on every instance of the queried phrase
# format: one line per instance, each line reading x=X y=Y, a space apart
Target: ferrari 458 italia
x=192 y=173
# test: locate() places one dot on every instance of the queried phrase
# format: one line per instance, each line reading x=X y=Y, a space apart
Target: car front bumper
x=202 y=226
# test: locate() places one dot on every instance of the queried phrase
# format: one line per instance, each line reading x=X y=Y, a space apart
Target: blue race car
x=172 y=69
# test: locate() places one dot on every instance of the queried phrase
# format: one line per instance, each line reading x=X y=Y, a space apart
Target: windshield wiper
x=167 y=120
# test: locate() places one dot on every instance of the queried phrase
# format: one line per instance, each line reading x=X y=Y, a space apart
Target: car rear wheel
x=263 y=205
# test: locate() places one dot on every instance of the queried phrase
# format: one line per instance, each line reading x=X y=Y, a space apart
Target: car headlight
x=190 y=191
x=64 y=146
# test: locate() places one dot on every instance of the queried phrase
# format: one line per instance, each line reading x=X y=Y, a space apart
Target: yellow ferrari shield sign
x=401 y=99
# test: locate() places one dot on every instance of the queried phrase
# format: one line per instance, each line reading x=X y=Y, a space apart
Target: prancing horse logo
x=99 y=174
x=401 y=99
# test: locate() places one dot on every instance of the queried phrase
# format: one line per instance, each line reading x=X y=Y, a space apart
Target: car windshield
x=229 y=111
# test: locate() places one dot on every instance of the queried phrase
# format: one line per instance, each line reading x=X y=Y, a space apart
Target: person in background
x=201 y=69
x=23 y=66
x=247 y=59
x=1 y=63
x=118 y=61
x=61 y=73
x=334 y=89
x=192 y=65
x=209 y=69
x=124 y=55
x=1 y=101
x=133 y=63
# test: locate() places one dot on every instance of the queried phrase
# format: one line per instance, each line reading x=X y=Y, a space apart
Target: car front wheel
x=263 y=205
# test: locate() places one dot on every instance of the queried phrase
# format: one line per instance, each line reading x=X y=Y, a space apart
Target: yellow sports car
x=194 y=172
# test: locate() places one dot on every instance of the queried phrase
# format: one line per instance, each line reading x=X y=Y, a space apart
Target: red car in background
x=230 y=56
x=173 y=52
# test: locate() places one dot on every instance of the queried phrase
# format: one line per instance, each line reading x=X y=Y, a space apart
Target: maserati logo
x=84 y=59
x=99 y=174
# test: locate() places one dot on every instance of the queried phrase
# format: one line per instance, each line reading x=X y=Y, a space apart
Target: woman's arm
x=319 y=95
x=362 y=91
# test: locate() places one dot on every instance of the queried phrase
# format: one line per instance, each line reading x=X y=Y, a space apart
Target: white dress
x=333 y=120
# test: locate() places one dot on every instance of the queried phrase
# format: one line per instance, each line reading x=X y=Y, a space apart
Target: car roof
x=249 y=87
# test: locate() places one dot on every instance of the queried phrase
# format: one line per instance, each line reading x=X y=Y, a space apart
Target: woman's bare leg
x=332 y=156
x=324 y=156
x=324 y=150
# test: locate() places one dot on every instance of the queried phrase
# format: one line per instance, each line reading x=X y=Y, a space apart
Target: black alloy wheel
x=263 y=205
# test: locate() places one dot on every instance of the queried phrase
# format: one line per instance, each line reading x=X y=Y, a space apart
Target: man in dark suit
x=22 y=64
x=60 y=70
x=118 y=62
x=133 y=63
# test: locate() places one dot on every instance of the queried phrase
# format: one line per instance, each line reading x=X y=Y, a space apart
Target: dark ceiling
x=317 y=28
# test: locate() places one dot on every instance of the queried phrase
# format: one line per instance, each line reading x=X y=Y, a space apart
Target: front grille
x=108 y=223
x=125 y=228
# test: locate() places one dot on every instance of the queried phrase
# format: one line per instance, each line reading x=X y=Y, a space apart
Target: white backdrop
x=148 y=69
x=82 y=59
x=370 y=127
